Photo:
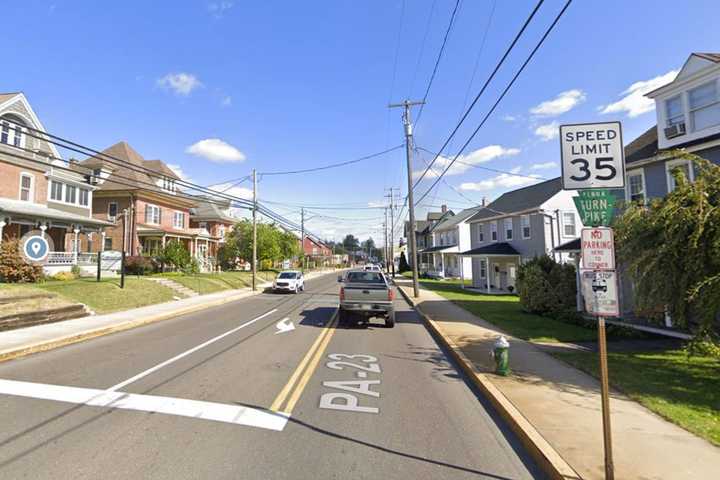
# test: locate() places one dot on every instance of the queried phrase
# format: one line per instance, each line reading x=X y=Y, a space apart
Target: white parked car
x=289 y=281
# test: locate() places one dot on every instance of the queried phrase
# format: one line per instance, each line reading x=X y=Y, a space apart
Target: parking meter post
x=604 y=387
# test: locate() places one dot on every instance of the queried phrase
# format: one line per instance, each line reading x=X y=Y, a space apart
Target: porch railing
x=71 y=258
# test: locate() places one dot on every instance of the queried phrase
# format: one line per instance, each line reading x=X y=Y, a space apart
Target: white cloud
x=543 y=166
x=218 y=9
x=376 y=204
x=179 y=171
x=465 y=162
x=548 y=131
x=504 y=180
x=564 y=102
x=216 y=150
x=634 y=101
x=233 y=190
x=226 y=101
x=509 y=118
x=180 y=83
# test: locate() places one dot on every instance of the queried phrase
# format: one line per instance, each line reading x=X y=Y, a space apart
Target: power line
x=502 y=95
x=334 y=165
x=422 y=45
x=473 y=165
x=437 y=61
x=482 y=90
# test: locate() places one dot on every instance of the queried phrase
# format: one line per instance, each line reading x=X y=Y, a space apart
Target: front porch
x=494 y=268
x=197 y=241
x=441 y=261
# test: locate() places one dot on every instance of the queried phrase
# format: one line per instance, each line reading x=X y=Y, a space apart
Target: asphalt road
x=221 y=394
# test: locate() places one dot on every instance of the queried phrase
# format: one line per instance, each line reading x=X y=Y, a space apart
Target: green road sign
x=596 y=207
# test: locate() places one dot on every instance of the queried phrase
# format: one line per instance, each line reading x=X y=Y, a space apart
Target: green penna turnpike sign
x=596 y=207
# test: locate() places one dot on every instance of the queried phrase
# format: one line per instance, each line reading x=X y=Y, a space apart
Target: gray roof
x=452 y=221
x=15 y=208
x=644 y=146
x=207 y=210
x=502 y=248
x=521 y=199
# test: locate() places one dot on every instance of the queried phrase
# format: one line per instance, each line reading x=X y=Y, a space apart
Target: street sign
x=597 y=248
x=596 y=207
x=600 y=291
x=35 y=248
x=592 y=156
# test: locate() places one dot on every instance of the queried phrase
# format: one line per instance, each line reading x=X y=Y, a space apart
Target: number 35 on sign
x=592 y=156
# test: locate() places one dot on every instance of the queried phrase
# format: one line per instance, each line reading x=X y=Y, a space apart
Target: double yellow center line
x=291 y=392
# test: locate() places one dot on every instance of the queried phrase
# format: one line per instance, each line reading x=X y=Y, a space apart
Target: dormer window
x=674 y=111
x=704 y=105
x=168 y=184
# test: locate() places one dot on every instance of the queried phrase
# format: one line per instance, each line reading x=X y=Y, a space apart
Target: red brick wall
x=10 y=182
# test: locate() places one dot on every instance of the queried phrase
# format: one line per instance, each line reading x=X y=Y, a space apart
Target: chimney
x=443 y=208
x=483 y=201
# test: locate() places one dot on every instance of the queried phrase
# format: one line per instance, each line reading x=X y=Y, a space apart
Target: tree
x=273 y=244
x=13 y=266
x=546 y=286
x=671 y=248
x=350 y=243
x=176 y=255
x=368 y=246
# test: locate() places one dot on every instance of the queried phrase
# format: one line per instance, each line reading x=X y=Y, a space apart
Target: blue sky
x=285 y=85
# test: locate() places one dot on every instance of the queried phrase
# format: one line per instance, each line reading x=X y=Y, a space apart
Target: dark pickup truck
x=366 y=294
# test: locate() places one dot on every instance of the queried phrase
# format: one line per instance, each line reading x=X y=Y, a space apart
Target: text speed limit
x=592 y=156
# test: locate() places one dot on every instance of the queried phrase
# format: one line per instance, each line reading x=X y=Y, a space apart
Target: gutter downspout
x=557 y=222
x=552 y=231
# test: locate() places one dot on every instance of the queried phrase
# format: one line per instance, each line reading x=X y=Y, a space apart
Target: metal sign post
x=593 y=161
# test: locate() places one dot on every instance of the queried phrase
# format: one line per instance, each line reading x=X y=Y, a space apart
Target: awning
x=441 y=249
x=571 y=246
x=38 y=211
x=494 y=250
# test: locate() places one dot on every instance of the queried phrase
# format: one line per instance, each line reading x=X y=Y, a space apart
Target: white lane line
x=186 y=353
x=218 y=412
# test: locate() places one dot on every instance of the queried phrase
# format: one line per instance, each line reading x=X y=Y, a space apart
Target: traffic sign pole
x=593 y=161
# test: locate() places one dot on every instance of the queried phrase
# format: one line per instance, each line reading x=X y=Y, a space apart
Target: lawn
x=106 y=296
x=505 y=312
x=215 y=282
x=685 y=390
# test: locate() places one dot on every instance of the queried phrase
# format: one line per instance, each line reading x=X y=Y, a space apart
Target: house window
x=481 y=234
x=26 y=187
x=684 y=166
x=108 y=243
x=84 y=197
x=704 y=106
x=179 y=220
x=508 y=229
x=525 y=226
x=70 y=192
x=483 y=269
x=11 y=134
x=112 y=210
x=636 y=187
x=674 y=111
x=56 y=190
x=152 y=214
x=493 y=231
x=568 y=224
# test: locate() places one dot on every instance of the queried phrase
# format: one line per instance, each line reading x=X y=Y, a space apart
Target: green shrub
x=266 y=264
x=547 y=287
x=138 y=265
x=176 y=255
x=14 y=268
x=191 y=267
x=75 y=269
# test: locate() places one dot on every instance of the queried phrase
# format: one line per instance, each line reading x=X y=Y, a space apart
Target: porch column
x=163 y=241
x=2 y=225
x=76 y=231
x=462 y=273
x=578 y=294
x=487 y=273
x=43 y=227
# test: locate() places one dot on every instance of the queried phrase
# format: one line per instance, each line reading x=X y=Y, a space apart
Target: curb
x=547 y=458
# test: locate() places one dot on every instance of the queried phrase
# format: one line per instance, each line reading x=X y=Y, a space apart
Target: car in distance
x=289 y=281
x=365 y=294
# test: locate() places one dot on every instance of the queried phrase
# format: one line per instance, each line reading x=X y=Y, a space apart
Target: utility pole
x=392 y=229
x=254 y=250
x=385 y=225
x=122 y=255
x=411 y=206
x=302 y=236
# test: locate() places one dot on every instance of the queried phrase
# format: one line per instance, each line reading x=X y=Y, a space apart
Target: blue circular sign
x=36 y=248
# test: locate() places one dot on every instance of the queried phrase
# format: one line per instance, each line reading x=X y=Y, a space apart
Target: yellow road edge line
x=280 y=399
x=309 y=371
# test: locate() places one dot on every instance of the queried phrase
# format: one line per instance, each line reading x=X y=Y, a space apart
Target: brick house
x=37 y=190
x=316 y=251
x=157 y=211
x=214 y=216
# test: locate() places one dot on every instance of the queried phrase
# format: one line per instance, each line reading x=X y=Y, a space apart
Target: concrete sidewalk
x=563 y=405
x=24 y=341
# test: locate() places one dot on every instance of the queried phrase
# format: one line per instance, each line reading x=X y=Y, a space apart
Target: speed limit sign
x=592 y=156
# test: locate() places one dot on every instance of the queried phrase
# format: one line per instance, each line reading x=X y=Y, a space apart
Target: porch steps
x=176 y=287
